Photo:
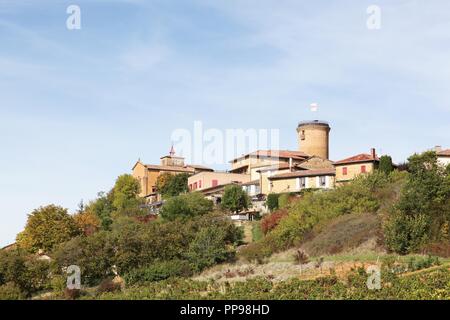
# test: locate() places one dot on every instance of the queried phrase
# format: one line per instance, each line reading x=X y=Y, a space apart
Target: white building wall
x=444 y=160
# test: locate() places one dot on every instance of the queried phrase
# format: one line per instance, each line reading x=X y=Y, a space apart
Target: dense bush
x=209 y=247
x=272 y=201
x=132 y=245
x=10 y=291
x=186 y=206
x=256 y=252
x=23 y=272
x=94 y=255
x=157 y=271
x=404 y=233
x=283 y=200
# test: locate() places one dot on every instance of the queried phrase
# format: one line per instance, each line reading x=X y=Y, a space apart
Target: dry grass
x=352 y=232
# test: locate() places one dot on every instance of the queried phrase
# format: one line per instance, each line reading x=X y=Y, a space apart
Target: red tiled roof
x=363 y=157
x=169 y=168
x=191 y=168
x=275 y=154
x=444 y=153
x=200 y=167
x=304 y=173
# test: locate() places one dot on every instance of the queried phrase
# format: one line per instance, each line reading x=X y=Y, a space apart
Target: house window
x=195 y=185
x=302 y=182
x=322 y=181
x=344 y=171
x=215 y=183
x=363 y=169
x=200 y=183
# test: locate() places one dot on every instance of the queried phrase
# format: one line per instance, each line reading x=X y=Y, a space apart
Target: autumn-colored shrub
x=270 y=221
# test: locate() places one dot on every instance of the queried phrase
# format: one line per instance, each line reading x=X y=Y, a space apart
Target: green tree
x=162 y=182
x=423 y=210
x=186 y=205
x=178 y=185
x=47 y=227
x=386 y=164
x=208 y=248
x=102 y=207
x=125 y=194
x=235 y=199
x=425 y=187
x=283 y=200
x=93 y=254
x=170 y=185
x=23 y=272
x=272 y=201
x=406 y=233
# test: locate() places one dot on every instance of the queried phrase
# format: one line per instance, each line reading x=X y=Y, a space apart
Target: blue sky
x=77 y=108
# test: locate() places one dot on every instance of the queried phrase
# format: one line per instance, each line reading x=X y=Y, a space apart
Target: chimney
x=373 y=153
x=438 y=148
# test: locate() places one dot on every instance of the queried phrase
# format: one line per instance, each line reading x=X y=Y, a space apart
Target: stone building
x=147 y=174
x=349 y=168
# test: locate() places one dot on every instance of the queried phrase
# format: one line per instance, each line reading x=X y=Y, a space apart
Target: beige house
x=261 y=158
x=304 y=179
x=310 y=163
x=443 y=156
x=147 y=174
x=205 y=180
x=349 y=168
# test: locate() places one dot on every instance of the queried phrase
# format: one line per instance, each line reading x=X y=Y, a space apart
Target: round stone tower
x=313 y=138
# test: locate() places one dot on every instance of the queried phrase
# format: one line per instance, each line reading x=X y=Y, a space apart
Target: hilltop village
x=263 y=172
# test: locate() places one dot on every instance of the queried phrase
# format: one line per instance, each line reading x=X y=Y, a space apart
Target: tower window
x=302 y=135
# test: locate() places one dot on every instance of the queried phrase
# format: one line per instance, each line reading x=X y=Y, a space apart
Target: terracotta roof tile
x=276 y=153
x=169 y=168
x=445 y=153
x=362 y=157
x=197 y=166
